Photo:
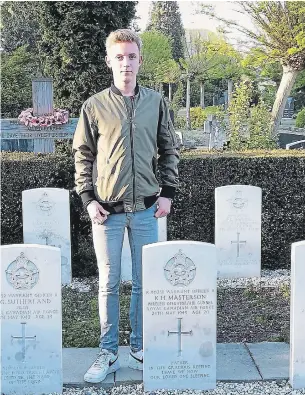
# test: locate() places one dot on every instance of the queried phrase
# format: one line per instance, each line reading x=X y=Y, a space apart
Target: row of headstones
x=46 y=220
x=179 y=317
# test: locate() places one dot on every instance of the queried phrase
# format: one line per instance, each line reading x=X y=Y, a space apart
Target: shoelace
x=101 y=358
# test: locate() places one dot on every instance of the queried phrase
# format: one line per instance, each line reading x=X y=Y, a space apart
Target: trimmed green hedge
x=280 y=174
x=300 y=119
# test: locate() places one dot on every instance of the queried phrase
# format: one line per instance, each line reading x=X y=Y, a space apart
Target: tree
x=169 y=72
x=72 y=46
x=280 y=37
x=156 y=54
x=207 y=59
x=18 y=68
x=166 y=18
x=20 y=25
x=298 y=91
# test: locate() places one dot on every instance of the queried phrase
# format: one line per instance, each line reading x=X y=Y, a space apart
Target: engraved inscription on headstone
x=179 y=315
x=31 y=320
x=238 y=230
x=297 y=316
x=46 y=220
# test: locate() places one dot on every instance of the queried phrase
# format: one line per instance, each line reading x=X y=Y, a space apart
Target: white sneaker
x=105 y=363
x=135 y=360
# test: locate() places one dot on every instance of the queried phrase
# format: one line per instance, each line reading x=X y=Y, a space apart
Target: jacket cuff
x=168 y=192
x=87 y=197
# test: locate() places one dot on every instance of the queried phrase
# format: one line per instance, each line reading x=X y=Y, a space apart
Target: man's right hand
x=97 y=213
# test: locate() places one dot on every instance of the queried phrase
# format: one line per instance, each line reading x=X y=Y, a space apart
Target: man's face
x=124 y=59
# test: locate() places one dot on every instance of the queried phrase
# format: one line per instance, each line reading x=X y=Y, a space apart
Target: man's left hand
x=164 y=207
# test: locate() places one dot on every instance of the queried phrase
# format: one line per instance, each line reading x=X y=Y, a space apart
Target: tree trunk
x=202 y=94
x=230 y=91
x=188 y=103
x=170 y=92
x=161 y=88
x=287 y=82
x=214 y=99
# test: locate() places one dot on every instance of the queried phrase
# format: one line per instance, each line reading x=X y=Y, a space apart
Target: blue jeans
x=108 y=242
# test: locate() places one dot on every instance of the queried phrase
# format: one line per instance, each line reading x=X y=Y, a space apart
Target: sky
x=194 y=20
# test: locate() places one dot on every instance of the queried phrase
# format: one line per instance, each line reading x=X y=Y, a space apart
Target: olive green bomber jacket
x=116 y=146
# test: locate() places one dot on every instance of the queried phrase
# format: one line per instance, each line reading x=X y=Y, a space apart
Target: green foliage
x=177 y=101
x=199 y=115
x=249 y=127
x=260 y=128
x=18 y=68
x=283 y=200
x=298 y=91
x=166 y=18
x=279 y=36
x=44 y=170
x=20 y=25
x=239 y=112
x=268 y=95
x=72 y=47
x=300 y=120
x=169 y=71
x=157 y=57
x=180 y=123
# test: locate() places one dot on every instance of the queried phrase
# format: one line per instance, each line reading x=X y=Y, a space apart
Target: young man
x=120 y=133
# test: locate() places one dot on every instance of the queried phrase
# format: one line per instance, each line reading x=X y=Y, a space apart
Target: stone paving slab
x=234 y=363
x=263 y=361
x=125 y=375
x=272 y=359
x=76 y=361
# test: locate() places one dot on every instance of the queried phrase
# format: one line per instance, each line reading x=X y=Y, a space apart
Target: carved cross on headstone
x=238 y=243
x=179 y=333
x=21 y=356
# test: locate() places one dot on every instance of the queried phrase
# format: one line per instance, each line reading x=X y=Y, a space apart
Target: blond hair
x=121 y=36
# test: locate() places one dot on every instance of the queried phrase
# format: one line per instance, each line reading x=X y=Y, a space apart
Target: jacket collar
x=115 y=90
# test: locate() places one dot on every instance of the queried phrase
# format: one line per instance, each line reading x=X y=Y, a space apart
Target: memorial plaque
x=179 y=315
x=238 y=230
x=297 y=316
x=46 y=220
x=31 y=320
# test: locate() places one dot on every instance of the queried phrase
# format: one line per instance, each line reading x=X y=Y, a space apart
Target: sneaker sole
x=97 y=379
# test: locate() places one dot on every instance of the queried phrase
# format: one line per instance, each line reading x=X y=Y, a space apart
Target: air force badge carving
x=22 y=273
x=180 y=270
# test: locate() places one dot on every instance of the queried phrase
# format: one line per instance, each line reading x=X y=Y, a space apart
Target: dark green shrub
x=300 y=119
x=280 y=174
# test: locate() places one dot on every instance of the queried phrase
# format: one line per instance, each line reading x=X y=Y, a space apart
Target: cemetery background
x=281 y=176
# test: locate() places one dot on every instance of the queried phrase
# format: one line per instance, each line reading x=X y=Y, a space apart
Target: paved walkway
x=235 y=362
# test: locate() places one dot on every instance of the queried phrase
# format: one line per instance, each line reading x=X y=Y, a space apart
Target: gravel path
x=268 y=279
x=253 y=388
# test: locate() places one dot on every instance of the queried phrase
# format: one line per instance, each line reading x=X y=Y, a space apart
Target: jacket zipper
x=132 y=155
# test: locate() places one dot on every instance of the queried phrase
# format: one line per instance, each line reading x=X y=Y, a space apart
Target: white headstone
x=126 y=265
x=238 y=230
x=297 y=316
x=179 y=315
x=31 y=320
x=46 y=220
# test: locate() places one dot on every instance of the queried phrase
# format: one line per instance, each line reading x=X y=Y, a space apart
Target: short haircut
x=121 y=36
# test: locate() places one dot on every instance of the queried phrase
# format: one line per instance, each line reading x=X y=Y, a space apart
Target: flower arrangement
x=59 y=117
